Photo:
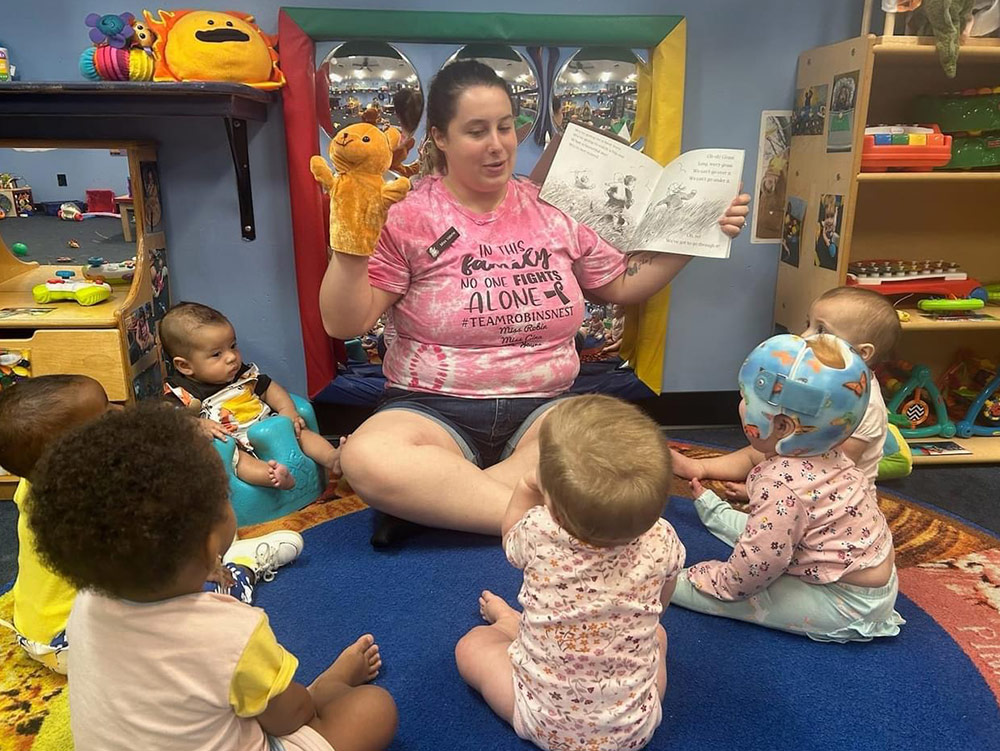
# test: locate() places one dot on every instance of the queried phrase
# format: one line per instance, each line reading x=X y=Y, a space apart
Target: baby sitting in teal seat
x=234 y=399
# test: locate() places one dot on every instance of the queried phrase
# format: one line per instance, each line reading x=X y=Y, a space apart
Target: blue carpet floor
x=731 y=685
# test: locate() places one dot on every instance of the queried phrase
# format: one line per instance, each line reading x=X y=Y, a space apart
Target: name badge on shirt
x=443 y=243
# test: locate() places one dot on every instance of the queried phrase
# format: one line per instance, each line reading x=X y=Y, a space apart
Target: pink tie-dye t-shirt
x=494 y=312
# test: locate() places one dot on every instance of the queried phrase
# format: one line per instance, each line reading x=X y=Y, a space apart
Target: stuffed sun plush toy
x=359 y=197
x=208 y=45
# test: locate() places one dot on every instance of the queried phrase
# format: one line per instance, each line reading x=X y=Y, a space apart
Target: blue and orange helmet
x=782 y=375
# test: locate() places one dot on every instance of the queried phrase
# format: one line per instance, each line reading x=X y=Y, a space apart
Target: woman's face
x=480 y=143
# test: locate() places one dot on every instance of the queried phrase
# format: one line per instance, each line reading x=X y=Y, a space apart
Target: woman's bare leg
x=407 y=465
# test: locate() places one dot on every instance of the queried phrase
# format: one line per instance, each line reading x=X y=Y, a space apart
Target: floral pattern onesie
x=586 y=654
x=812 y=520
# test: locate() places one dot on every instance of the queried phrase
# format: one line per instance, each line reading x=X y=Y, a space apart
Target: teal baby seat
x=274 y=438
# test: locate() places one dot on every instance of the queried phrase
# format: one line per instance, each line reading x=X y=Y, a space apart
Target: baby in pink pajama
x=584 y=665
x=814 y=554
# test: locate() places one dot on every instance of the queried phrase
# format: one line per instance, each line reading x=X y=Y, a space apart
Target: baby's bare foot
x=279 y=475
x=494 y=608
x=357 y=664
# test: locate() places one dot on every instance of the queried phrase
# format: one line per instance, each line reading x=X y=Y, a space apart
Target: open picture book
x=635 y=204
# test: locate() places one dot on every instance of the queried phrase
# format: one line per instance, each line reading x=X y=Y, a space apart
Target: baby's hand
x=297 y=422
x=696 y=487
x=221 y=575
x=736 y=491
x=612 y=349
x=214 y=429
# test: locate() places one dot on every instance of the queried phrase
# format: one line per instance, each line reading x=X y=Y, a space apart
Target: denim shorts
x=486 y=430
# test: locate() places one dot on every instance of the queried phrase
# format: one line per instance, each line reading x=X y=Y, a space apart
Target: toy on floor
x=70 y=212
x=897 y=459
x=909 y=148
x=274 y=438
x=902 y=277
x=99 y=270
x=359 y=196
x=912 y=401
x=58 y=289
x=19 y=249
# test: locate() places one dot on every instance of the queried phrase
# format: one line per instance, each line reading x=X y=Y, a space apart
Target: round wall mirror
x=597 y=87
x=363 y=79
x=515 y=69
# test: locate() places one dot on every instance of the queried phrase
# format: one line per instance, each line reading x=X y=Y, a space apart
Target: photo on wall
x=139 y=332
x=843 y=99
x=160 y=282
x=149 y=383
x=809 y=115
x=152 y=209
x=772 y=175
x=791 y=230
x=829 y=214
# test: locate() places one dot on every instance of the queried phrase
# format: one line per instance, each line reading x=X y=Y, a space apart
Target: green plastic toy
x=85 y=293
x=20 y=249
x=964 y=303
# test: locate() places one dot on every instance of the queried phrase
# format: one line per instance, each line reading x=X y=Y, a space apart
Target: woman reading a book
x=486 y=287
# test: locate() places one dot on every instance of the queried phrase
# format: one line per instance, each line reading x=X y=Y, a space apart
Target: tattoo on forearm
x=636 y=262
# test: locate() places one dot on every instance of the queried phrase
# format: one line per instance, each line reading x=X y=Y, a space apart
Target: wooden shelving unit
x=906 y=215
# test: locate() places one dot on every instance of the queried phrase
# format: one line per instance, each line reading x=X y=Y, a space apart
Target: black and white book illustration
x=634 y=203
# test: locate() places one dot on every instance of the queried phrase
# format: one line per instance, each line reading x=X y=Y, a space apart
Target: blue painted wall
x=741 y=59
x=84 y=169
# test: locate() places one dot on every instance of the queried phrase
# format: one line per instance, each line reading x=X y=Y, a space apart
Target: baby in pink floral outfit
x=584 y=665
x=814 y=554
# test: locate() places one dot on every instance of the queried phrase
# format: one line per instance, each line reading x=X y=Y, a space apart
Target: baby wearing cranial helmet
x=813 y=553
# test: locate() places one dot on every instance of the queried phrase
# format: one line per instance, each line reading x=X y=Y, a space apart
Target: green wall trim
x=334 y=24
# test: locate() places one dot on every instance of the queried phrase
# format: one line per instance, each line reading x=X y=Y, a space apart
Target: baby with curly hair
x=33 y=414
x=133 y=509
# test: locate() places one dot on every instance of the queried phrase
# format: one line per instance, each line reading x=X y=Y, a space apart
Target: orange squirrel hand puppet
x=359 y=197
